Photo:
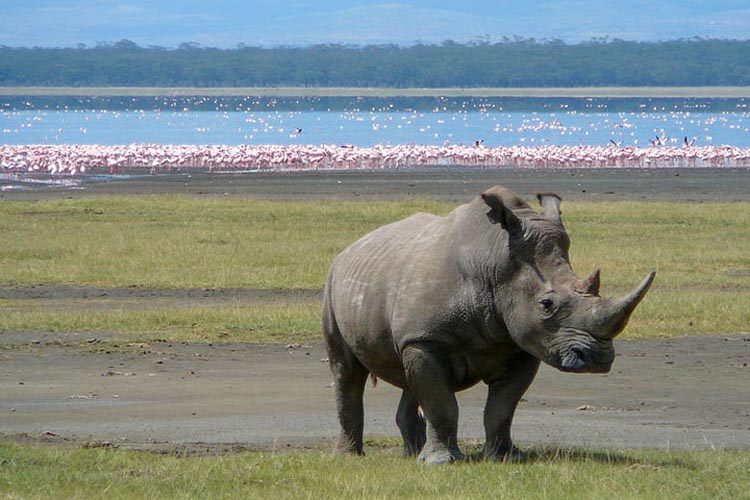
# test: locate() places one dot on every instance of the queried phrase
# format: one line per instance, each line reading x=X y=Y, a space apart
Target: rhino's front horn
x=615 y=316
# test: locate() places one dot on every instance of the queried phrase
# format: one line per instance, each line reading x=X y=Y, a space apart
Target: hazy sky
x=227 y=23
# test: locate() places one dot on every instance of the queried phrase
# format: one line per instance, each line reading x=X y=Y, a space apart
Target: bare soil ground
x=84 y=389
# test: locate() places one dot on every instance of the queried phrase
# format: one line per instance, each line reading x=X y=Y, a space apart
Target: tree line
x=512 y=63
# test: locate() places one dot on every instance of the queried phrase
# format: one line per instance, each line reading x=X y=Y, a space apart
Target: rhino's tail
x=339 y=352
x=331 y=332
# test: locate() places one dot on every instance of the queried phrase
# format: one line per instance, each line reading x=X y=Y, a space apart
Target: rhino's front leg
x=502 y=400
x=428 y=377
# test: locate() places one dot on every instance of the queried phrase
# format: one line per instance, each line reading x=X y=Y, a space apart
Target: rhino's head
x=548 y=311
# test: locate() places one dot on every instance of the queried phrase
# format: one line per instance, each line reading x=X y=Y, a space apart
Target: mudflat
x=686 y=393
x=452 y=184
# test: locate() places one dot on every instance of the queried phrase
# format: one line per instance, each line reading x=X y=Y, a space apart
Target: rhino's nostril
x=575 y=359
x=582 y=353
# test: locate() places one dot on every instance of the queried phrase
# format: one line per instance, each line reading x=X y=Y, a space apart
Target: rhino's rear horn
x=589 y=286
x=551 y=204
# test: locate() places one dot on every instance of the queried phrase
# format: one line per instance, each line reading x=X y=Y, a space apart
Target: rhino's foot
x=409 y=450
x=346 y=446
x=349 y=450
x=441 y=456
x=504 y=454
x=413 y=447
x=345 y=451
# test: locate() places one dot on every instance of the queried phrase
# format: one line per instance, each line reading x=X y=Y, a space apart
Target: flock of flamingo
x=80 y=158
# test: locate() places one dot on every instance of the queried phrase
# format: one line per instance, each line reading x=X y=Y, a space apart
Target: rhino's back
x=394 y=239
x=370 y=267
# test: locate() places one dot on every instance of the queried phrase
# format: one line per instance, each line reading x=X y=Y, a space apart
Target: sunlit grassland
x=180 y=242
x=272 y=322
x=62 y=473
x=698 y=250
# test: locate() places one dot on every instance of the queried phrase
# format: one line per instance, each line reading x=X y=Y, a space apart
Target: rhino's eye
x=547 y=305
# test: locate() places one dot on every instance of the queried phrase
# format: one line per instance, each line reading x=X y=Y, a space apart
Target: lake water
x=370 y=121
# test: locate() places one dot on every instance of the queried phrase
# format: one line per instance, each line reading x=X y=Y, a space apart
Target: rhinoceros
x=433 y=305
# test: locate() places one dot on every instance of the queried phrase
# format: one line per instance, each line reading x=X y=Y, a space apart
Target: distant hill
x=226 y=23
x=511 y=63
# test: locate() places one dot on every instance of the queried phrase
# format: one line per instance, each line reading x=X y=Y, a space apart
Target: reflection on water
x=34 y=181
x=11 y=181
x=379 y=104
x=370 y=121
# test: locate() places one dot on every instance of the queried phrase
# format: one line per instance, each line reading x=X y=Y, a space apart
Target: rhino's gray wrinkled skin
x=434 y=305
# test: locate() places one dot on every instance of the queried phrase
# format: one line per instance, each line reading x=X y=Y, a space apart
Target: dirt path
x=690 y=393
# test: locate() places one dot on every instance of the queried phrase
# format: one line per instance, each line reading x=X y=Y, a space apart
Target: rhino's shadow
x=623 y=458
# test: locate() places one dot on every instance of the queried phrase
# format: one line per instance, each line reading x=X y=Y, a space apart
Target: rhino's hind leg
x=411 y=424
x=349 y=379
x=429 y=381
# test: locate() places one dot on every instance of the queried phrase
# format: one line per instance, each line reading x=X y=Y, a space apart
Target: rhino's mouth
x=583 y=358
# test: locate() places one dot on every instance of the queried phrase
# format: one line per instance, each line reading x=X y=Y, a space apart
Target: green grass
x=62 y=473
x=727 y=92
x=698 y=250
x=181 y=242
x=235 y=322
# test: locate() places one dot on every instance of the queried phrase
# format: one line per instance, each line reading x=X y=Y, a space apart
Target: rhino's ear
x=551 y=204
x=500 y=214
